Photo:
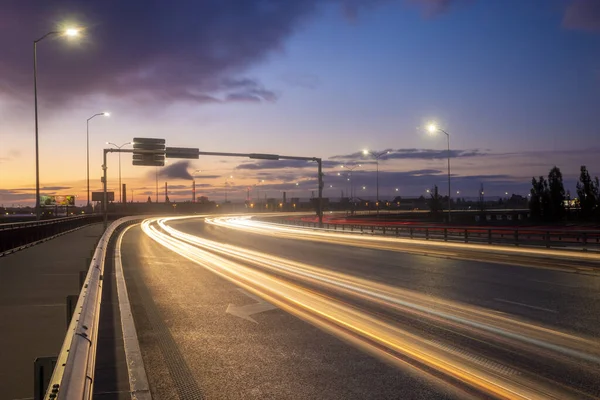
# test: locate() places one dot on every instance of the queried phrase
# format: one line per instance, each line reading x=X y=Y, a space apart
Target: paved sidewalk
x=34 y=284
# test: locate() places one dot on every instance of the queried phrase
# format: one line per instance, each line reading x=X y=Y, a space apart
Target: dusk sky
x=515 y=83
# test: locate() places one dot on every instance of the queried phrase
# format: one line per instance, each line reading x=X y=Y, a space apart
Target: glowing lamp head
x=432 y=128
x=366 y=152
x=106 y=114
x=72 y=32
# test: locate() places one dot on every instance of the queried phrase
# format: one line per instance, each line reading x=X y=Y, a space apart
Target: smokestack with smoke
x=178 y=170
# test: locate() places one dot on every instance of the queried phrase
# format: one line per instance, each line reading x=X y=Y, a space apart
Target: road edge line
x=138 y=380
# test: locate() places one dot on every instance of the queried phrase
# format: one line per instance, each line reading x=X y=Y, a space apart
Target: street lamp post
x=376 y=156
x=88 y=151
x=227 y=186
x=120 y=187
x=69 y=32
x=432 y=128
x=350 y=170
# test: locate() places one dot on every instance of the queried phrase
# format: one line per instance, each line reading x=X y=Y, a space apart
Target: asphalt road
x=509 y=324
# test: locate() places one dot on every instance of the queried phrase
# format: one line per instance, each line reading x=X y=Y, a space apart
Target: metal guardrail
x=73 y=376
x=15 y=235
x=522 y=236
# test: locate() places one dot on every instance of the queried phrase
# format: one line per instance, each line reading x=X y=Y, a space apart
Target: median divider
x=73 y=376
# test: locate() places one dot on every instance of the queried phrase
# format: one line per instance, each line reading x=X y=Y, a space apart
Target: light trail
x=380 y=337
x=247 y=224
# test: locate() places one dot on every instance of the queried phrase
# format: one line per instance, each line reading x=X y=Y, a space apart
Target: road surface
x=233 y=310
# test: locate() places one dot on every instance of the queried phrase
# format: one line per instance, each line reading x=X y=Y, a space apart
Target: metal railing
x=73 y=376
x=522 y=236
x=16 y=235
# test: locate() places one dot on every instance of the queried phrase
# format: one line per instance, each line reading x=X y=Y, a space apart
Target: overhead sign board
x=259 y=156
x=57 y=200
x=152 y=152
x=182 y=152
x=99 y=196
x=153 y=160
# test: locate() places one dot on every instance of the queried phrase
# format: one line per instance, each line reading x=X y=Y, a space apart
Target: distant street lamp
x=256 y=185
x=432 y=128
x=118 y=147
x=69 y=33
x=227 y=186
x=376 y=156
x=88 y=151
x=350 y=169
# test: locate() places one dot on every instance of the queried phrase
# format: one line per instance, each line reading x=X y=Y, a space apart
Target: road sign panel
x=260 y=156
x=153 y=160
x=148 y=157
x=182 y=152
x=149 y=163
x=149 y=144
x=148 y=141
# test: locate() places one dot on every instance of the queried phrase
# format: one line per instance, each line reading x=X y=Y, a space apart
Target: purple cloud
x=193 y=51
x=582 y=15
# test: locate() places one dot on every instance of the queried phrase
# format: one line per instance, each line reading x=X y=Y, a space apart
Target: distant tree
x=587 y=192
x=539 y=201
x=149 y=200
x=435 y=202
x=556 y=195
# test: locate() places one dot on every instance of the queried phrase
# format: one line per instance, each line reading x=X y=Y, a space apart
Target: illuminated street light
x=105 y=114
x=433 y=128
x=72 y=32
x=68 y=32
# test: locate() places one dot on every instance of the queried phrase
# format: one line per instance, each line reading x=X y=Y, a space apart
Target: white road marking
x=526 y=305
x=246 y=311
x=138 y=380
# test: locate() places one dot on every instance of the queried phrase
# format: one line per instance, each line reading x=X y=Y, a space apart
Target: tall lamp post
x=350 y=169
x=376 y=156
x=88 y=150
x=432 y=128
x=68 y=32
x=120 y=187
